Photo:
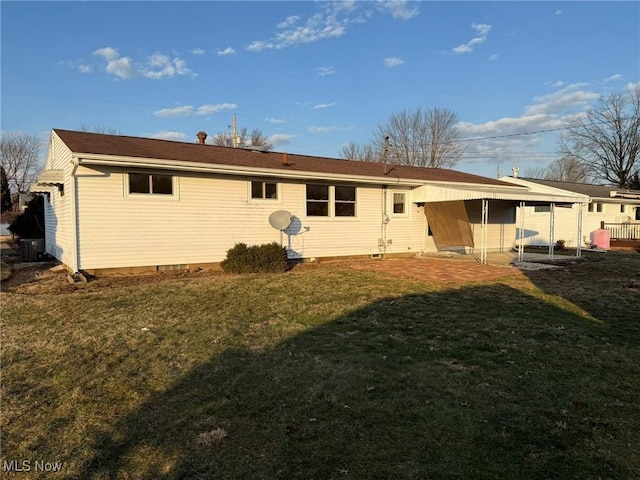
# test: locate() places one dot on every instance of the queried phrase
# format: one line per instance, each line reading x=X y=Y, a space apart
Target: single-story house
x=120 y=202
x=614 y=208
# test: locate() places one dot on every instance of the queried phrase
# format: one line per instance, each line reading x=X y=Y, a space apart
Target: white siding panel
x=58 y=219
x=500 y=225
x=210 y=214
x=536 y=224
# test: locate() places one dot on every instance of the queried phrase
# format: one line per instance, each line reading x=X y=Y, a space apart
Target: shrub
x=30 y=223
x=560 y=245
x=268 y=257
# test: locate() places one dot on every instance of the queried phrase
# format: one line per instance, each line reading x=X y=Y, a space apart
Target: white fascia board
x=136 y=162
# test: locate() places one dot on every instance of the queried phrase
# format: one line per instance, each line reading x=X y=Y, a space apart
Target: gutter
x=74 y=216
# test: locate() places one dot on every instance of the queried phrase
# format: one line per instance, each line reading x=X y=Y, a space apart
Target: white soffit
x=442 y=193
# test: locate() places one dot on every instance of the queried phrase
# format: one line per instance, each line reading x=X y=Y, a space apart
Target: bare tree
x=20 y=159
x=244 y=138
x=567 y=169
x=606 y=140
x=99 y=129
x=423 y=138
x=535 y=172
x=361 y=153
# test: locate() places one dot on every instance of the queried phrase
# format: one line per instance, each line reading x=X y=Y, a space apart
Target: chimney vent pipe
x=202 y=136
x=285 y=159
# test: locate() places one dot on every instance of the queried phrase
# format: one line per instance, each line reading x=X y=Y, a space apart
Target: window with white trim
x=345 y=201
x=399 y=203
x=148 y=183
x=330 y=200
x=595 y=207
x=264 y=190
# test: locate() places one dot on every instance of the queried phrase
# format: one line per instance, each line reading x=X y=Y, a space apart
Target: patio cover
x=449 y=193
x=449 y=224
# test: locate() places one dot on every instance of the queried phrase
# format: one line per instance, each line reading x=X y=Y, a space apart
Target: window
x=622 y=208
x=595 y=207
x=345 y=201
x=150 y=183
x=264 y=190
x=320 y=199
x=399 y=203
x=317 y=200
x=542 y=208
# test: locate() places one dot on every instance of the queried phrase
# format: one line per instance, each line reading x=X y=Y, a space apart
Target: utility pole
x=234 y=140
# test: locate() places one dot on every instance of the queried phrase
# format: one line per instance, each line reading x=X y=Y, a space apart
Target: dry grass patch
x=328 y=373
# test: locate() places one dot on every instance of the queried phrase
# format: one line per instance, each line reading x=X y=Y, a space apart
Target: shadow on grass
x=604 y=285
x=416 y=387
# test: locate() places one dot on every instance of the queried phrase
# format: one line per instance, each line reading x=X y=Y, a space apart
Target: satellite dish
x=280 y=219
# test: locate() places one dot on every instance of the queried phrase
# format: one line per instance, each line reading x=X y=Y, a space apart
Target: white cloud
x=323 y=105
x=617 y=76
x=399 y=9
x=570 y=97
x=331 y=21
x=167 y=135
x=85 y=69
x=557 y=84
x=157 y=66
x=160 y=66
x=289 y=21
x=227 y=51
x=559 y=12
x=493 y=58
x=275 y=121
x=197 y=51
x=324 y=71
x=482 y=30
x=121 y=67
x=189 y=110
x=330 y=129
x=545 y=114
x=632 y=86
x=391 y=62
x=258 y=46
x=280 y=139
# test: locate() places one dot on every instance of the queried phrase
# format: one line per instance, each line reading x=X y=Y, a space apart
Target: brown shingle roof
x=123 y=146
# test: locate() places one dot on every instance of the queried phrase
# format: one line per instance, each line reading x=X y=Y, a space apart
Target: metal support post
x=579 y=231
x=552 y=221
x=485 y=218
x=521 y=233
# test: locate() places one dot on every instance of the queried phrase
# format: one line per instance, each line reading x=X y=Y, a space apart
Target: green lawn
x=327 y=372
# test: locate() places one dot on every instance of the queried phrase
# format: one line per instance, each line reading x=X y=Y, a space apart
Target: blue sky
x=316 y=75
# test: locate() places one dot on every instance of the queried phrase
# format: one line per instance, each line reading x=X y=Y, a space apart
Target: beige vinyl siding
x=58 y=218
x=500 y=224
x=208 y=214
x=536 y=224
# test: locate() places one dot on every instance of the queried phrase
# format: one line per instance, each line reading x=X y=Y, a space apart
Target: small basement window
x=264 y=190
x=150 y=184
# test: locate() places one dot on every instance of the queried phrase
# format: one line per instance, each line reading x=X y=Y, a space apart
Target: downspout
x=382 y=244
x=74 y=217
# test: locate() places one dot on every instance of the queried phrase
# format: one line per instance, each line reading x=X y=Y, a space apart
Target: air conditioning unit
x=32 y=249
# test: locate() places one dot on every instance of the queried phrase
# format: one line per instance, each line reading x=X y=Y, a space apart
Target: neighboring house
x=602 y=204
x=117 y=202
